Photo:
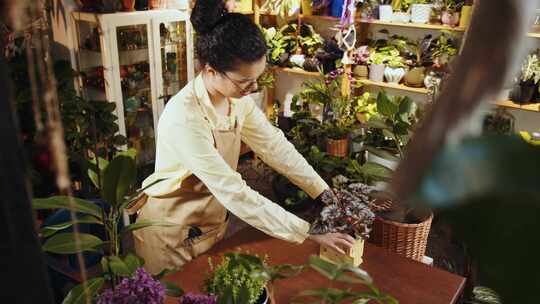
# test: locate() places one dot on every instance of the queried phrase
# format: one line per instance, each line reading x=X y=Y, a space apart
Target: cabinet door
x=135 y=83
x=174 y=57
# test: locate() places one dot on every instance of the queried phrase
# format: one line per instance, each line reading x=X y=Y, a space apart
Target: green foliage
x=499 y=122
x=445 y=47
x=347 y=274
x=232 y=279
x=266 y=80
x=453 y=5
x=484 y=295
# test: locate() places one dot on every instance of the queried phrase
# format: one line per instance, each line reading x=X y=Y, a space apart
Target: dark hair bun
x=206 y=14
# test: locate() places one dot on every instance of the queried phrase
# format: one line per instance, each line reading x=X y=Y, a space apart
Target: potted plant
x=360 y=57
x=417 y=56
x=376 y=63
x=443 y=49
x=346 y=211
x=420 y=11
x=527 y=85
x=115 y=180
x=395 y=67
x=450 y=12
x=266 y=80
x=402 y=10
x=385 y=10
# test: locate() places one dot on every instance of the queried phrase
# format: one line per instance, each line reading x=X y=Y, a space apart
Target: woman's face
x=240 y=82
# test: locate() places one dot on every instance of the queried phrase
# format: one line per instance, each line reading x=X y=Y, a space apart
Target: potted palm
x=360 y=57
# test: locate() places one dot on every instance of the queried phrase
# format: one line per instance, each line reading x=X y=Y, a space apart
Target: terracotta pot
x=353 y=256
x=415 y=77
x=128 y=5
x=361 y=71
x=337 y=147
x=449 y=18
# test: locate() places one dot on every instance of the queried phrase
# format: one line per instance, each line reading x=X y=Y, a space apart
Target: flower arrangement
x=141 y=288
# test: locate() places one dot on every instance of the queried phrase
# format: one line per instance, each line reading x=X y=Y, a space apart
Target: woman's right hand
x=334 y=240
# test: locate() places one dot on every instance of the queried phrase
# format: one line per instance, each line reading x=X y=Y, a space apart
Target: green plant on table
x=115 y=180
x=241 y=278
x=346 y=274
x=530 y=70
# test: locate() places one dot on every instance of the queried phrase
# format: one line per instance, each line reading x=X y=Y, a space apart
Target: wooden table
x=410 y=282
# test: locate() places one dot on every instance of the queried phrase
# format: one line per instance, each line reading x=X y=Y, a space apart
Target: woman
x=198 y=145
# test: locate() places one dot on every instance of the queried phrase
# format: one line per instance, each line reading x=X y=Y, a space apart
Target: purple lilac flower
x=141 y=288
x=192 y=298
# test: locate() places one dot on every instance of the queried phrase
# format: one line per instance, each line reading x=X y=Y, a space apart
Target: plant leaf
x=407 y=108
x=62 y=202
x=385 y=106
x=93 y=170
x=48 y=231
x=119 y=267
x=165 y=272
x=382 y=153
x=133 y=262
x=77 y=295
x=172 y=290
x=64 y=243
x=376 y=171
x=147 y=223
x=128 y=201
x=118 y=178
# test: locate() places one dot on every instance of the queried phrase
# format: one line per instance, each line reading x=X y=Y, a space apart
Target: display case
x=138 y=60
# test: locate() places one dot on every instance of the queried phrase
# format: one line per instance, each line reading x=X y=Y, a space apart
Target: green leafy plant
x=396 y=120
x=453 y=6
x=115 y=180
x=484 y=295
x=266 y=80
x=500 y=122
x=530 y=70
x=444 y=48
x=310 y=41
x=365 y=108
x=347 y=274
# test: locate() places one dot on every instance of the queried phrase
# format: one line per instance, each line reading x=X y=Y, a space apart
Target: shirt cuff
x=316 y=187
x=302 y=232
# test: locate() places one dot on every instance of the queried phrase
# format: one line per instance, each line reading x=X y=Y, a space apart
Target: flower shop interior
x=380 y=151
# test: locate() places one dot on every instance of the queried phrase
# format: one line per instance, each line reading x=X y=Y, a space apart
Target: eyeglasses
x=244 y=90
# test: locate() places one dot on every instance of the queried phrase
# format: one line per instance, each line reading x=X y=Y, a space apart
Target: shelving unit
x=438 y=27
x=533 y=107
x=394 y=86
x=297 y=71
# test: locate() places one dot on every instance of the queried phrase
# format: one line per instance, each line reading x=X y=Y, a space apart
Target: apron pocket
x=198 y=242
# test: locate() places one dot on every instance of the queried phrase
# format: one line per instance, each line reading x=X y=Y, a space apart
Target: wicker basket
x=409 y=240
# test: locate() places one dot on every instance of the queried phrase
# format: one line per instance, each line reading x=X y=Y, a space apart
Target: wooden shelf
x=297 y=71
x=394 y=86
x=533 y=107
x=533 y=35
x=438 y=27
x=245 y=12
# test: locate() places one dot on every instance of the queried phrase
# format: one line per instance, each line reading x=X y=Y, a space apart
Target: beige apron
x=202 y=219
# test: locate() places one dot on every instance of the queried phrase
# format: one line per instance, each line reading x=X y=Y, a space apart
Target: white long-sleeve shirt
x=185 y=146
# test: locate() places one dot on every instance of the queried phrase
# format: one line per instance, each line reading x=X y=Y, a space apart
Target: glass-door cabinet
x=138 y=60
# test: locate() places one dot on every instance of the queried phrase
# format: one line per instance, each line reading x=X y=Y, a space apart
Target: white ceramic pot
x=386 y=13
x=376 y=72
x=298 y=60
x=394 y=75
x=401 y=17
x=420 y=13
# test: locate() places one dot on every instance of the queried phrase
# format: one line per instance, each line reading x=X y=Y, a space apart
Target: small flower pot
x=394 y=75
x=401 y=17
x=450 y=18
x=415 y=77
x=337 y=147
x=128 y=5
x=386 y=13
x=376 y=72
x=353 y=256
x=361 y=71
x=420 y=13
x=523 y=93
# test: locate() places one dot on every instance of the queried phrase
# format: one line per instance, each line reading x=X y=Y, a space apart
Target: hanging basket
x=409 y=240
x=337 y=147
